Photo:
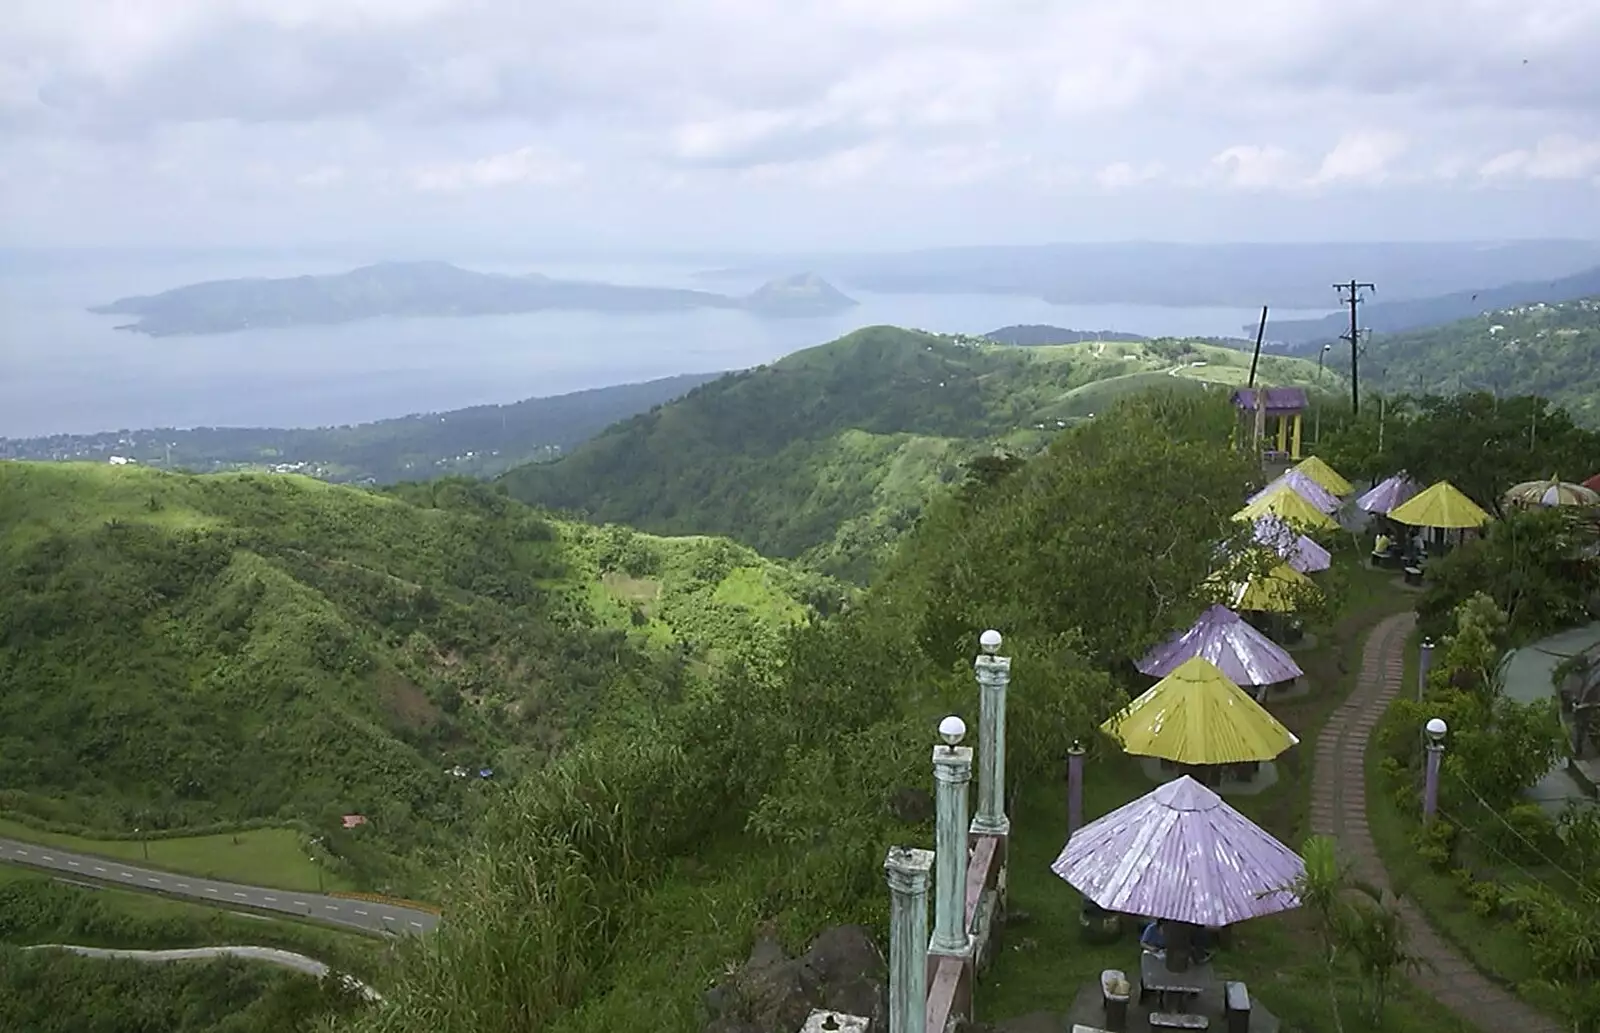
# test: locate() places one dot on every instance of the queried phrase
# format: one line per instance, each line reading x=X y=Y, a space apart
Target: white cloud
x=1257 y=166
x=1120 y=175
x=1363 y=156
x=1552 y=158
x=725 y=99
x=525 y=166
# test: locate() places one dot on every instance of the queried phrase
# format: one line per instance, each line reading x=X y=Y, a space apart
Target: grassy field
x=1044 y=963
x=259 y=857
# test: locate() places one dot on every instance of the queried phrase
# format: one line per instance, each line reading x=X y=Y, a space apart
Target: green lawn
x=1044 y=962
x=276 y=858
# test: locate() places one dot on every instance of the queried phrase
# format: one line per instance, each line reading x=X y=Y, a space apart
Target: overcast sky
x=758 y=124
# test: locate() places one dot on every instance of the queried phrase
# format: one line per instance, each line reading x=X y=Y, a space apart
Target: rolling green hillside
x=1550 y=350
x=830 y=453
x=179 y=650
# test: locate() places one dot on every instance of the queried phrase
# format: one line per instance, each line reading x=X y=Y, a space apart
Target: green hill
x=830 y=453
x=1550 y=350
x=180 y=650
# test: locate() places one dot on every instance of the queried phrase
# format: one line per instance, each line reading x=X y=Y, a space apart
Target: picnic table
x=1156 y=978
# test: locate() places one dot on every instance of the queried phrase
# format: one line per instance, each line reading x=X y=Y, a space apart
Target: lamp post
x=1316 y=431
x=1074 y=787
x=1424 y=665
x=143 y=842
x=994 y=675
x=1435 y=729
x=952 y=770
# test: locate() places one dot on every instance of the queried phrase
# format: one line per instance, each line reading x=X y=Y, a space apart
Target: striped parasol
x=1551 y=492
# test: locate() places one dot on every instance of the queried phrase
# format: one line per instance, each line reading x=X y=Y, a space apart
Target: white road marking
x=241 y=896
x=331 y=907
x=273 y=900
x=417 y=924
x=210 y=890
x=46 y=857
x=183 y=885
x=74 y=864
x=360 y=912
x=99 y=868
x=390 y=918
x=124 y=875
x=153 y=881
x=22 y=853
x=301 y=903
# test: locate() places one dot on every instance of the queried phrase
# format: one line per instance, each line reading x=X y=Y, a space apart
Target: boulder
x=843 y=971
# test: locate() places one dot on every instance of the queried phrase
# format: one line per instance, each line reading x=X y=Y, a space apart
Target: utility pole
x=1354 y=337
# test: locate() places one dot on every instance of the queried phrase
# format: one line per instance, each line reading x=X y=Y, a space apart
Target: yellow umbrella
x=1195 y=715
x=1325 y=475
x=1289 y=506
x=1441 y=505
x=1279 y=590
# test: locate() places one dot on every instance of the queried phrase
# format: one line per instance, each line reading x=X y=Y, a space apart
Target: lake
x=63 y=370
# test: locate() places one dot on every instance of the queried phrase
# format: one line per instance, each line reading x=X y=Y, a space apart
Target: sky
x=763 y=125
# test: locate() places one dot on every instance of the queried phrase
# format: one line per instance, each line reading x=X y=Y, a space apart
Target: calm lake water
x=63 y=370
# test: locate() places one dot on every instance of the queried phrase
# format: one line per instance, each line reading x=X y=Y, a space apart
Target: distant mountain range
x=1389 y=317
x=1242 y=275
x=435 y=289
x=480 y=441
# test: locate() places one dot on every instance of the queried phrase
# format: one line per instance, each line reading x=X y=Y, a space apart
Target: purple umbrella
x=1300 y=552
x=1388 y=493
x=1244 y=654
x=1181 y=854
x=1305 y=487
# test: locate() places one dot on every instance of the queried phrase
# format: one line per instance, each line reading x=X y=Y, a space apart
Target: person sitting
x=1380 y=548
x=1153 y=940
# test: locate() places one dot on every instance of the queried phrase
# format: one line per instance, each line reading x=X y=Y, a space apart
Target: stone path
x=1339 y=809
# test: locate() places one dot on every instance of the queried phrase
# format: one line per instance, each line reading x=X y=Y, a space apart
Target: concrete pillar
x=952 y=770
x=1424 y=665
x=1283 y=433
x=994 y=675
x=1294 y=439
x=907 y=872
x=1074 y=788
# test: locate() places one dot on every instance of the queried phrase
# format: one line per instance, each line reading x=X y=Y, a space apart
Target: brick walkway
x=1339 y=809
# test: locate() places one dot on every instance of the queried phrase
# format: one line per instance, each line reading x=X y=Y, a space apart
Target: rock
x=842 y=971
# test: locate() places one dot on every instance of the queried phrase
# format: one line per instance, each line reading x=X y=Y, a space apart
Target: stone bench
x=1413 y=575
x=1178 y=1020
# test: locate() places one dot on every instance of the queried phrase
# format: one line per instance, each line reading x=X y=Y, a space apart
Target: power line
x=1355 y=288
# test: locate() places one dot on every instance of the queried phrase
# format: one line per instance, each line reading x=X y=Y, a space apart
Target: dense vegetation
x=608 y=888
x=480 y=441
x=179 y=650
x=831 y=453
x=57 y=992
x=1550 y=350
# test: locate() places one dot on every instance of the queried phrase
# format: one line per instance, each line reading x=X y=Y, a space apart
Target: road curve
x=270 y=955
x=368 y=916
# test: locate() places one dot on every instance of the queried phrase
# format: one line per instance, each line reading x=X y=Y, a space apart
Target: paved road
x=270 y=955
x=343 y=911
